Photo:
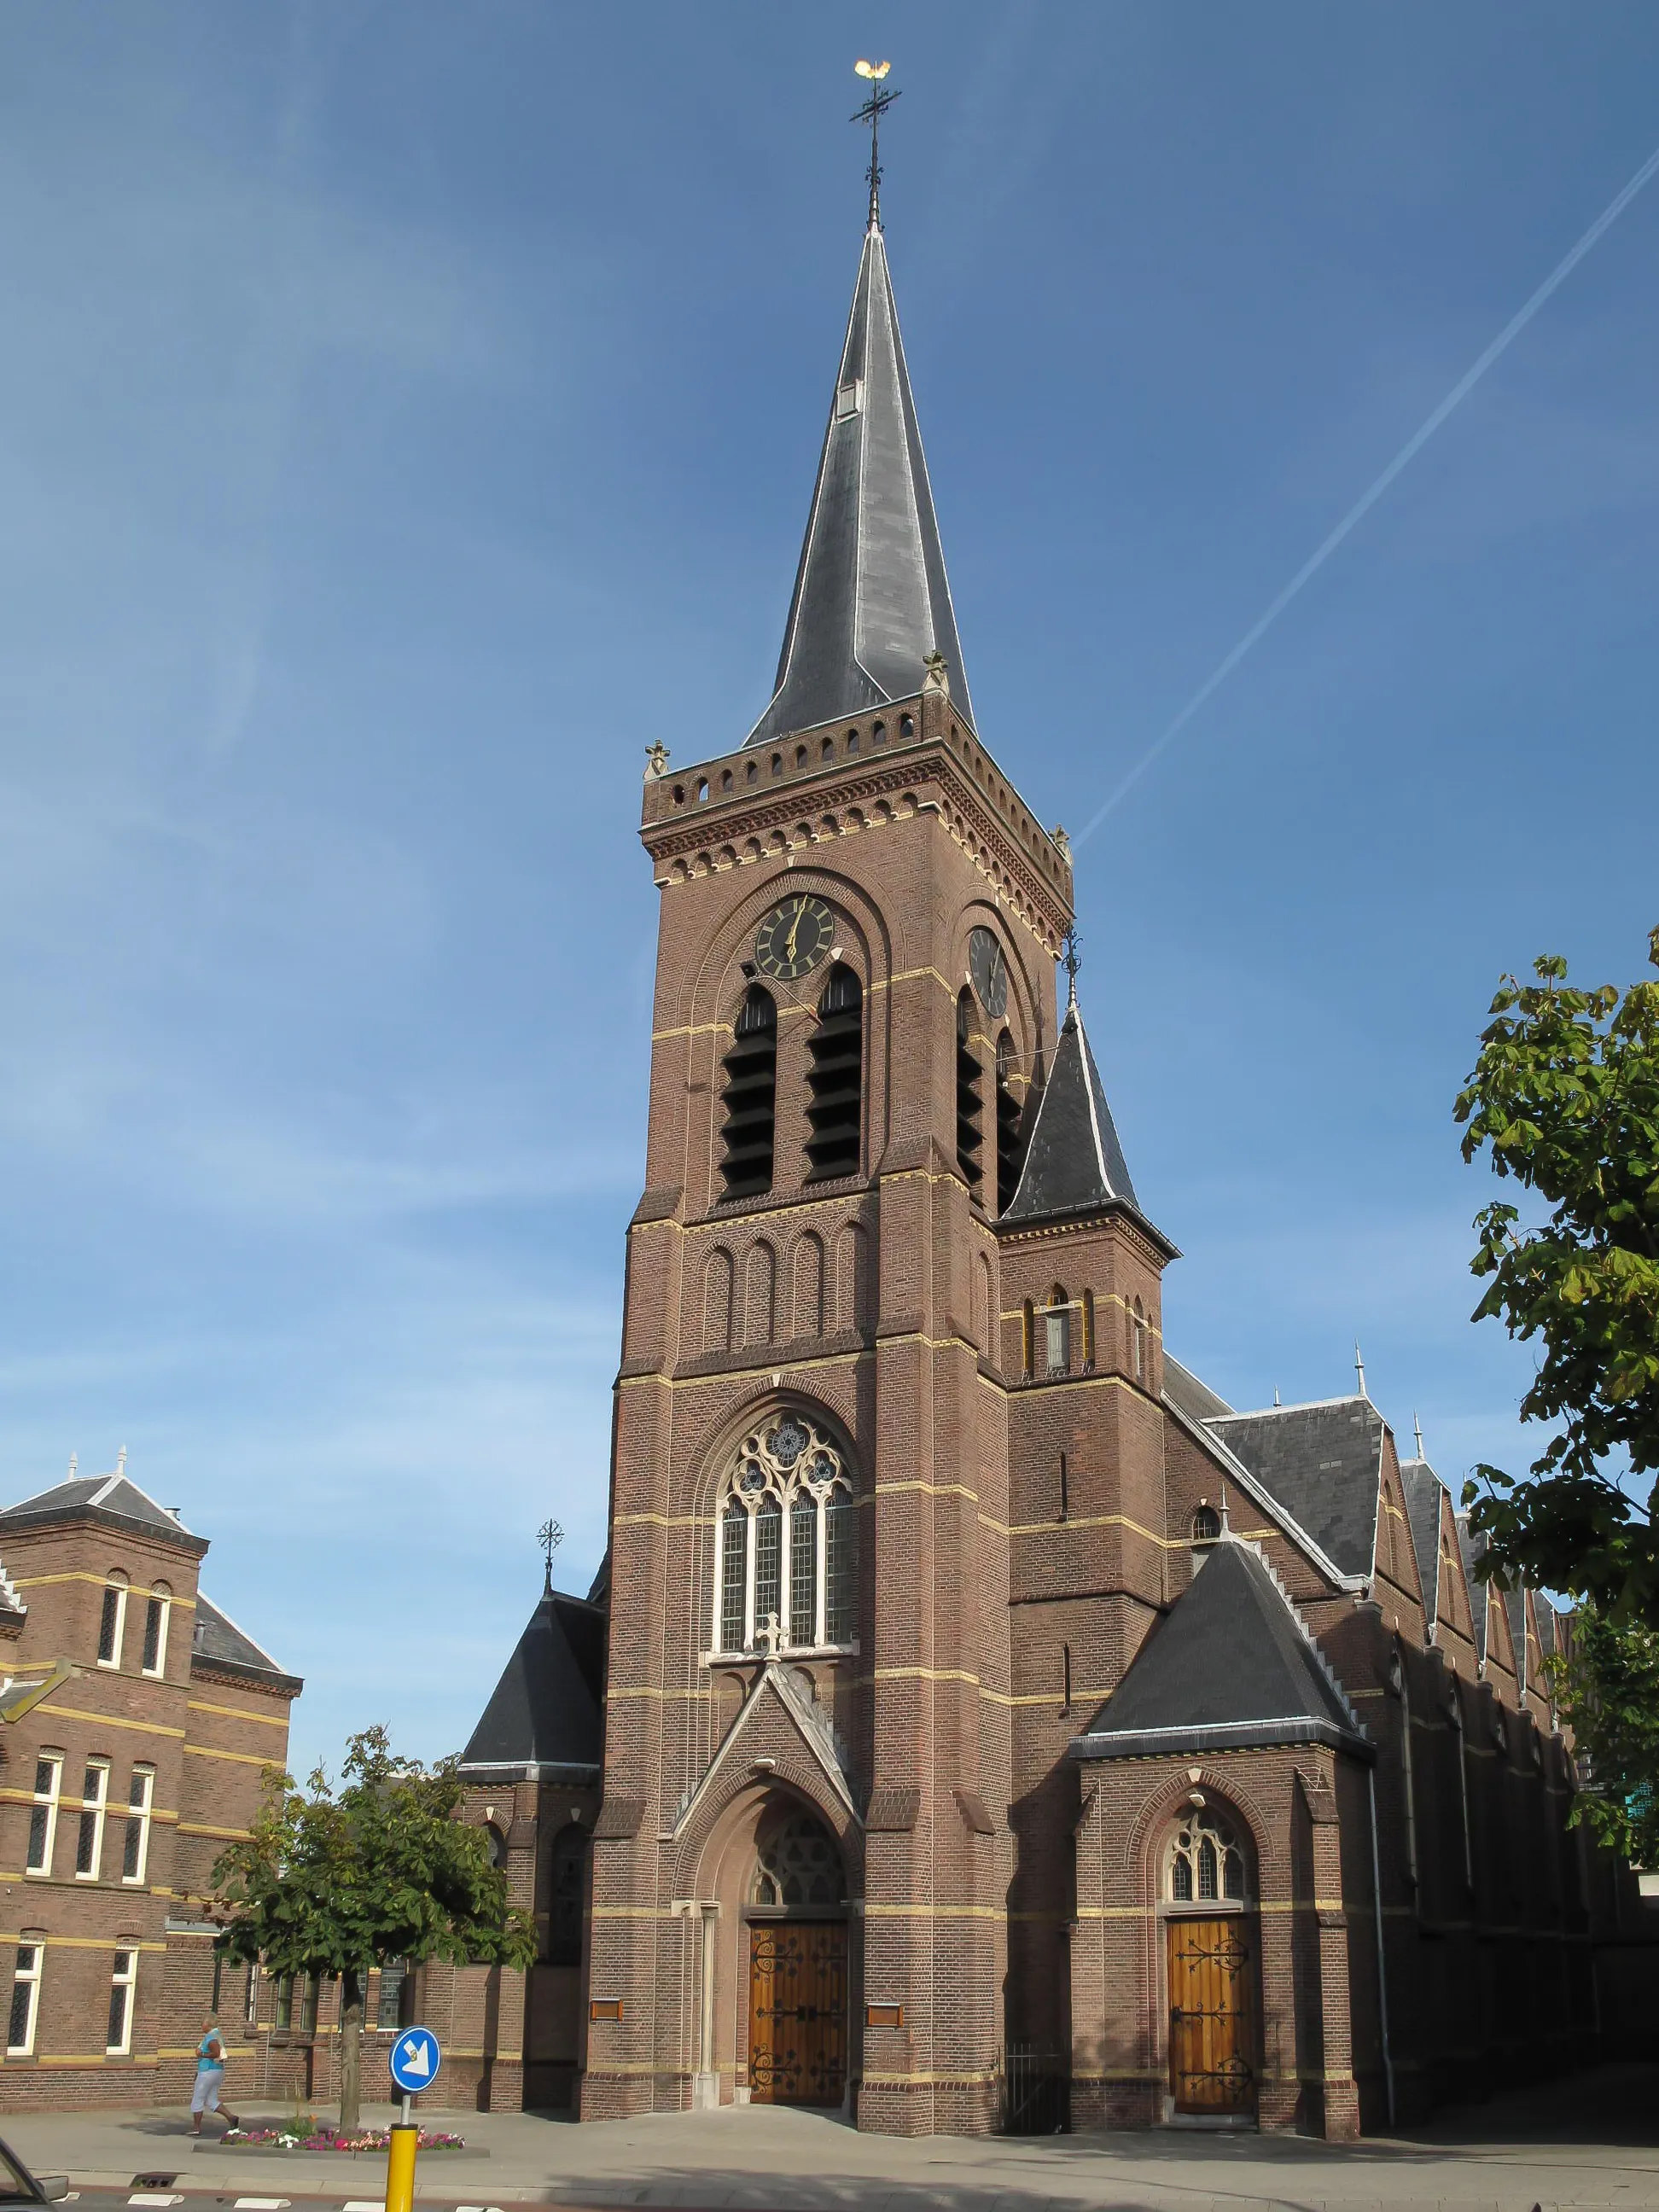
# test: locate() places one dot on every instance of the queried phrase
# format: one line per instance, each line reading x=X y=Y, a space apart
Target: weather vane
x=550 y=1536
x=880 y=99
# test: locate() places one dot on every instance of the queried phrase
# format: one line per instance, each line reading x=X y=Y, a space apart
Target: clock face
x=793 y=937
x=989 y=972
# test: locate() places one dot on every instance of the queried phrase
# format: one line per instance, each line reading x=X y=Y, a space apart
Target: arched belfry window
x=786 y=1577
x=1057 y=1332
x=751 y=1097
x=971 y=1103
x=1007 y=1125
x=835 y=1080
x=1206 y=1861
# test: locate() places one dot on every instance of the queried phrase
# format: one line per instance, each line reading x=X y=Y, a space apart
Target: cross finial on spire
x=550 y=1536
x=873 y=109
x=1072 y=962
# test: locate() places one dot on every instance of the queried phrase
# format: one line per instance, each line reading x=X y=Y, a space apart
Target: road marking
x=263 y=2203
x=363 y=2204
x=156 y=2196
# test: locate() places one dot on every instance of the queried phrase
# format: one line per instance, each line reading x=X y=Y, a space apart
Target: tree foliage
x=332 y=1883
x=1607 y=1684
x=1565 y=1094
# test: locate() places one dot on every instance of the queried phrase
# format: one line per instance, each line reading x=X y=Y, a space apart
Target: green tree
x=332 y=1883
x=1607 y=1684
x=1564 y=1094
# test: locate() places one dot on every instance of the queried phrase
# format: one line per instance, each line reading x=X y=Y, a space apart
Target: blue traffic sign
x=415 y=2061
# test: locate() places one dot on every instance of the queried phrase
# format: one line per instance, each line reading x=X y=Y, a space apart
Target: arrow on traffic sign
x=415 y=2058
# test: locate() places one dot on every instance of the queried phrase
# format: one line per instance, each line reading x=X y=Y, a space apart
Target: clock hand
x=794 y=933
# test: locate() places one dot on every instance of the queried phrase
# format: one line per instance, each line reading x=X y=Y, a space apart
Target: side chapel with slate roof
x=978 y=1722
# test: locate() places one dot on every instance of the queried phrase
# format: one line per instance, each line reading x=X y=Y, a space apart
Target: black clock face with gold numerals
x=793 y=937
x=990 y=971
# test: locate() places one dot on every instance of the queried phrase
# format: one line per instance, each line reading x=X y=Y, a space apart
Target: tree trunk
x=351 y=2053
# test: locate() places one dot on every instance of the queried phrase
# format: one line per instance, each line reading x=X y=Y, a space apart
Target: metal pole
x=400 y=2163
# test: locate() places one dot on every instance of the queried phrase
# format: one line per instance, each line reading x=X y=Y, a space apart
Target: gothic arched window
x=835 y=1080
x=1137 y=1340
x=787 y=1542
x=751 y=1097
x=1057 y=1332
x=970 y=1105
x=566 y=1882
x=1205 y=1861
x=1007 y=1125
x=1206 y=1525
x=799 y=1865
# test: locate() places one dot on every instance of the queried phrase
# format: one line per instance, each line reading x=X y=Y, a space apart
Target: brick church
x=977 y=1722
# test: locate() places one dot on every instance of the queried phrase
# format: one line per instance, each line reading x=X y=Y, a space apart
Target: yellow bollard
x=400 y=2166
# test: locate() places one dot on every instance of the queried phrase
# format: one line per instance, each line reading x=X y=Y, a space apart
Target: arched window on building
x=971 y=1103
x=835 y=1079
x=566 y=1883
x=1088 y=1329
x=1206 y=1863
x=798 y=1866
x=1007 y=1125
x=1057 y=1332
x=113 y=1622
x=787 y=1542
x=1206 y=1525
x=1028 y=1338
x=751 y=1097
x=1138 y=1361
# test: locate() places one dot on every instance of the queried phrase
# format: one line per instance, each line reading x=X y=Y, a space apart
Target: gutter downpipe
x=1381 y=1962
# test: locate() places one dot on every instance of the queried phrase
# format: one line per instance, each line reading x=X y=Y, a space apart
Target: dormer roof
x=545 y=1719
x=1230 y=1668
x=112 y=1500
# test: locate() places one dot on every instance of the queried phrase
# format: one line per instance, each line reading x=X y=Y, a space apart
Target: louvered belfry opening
x=971 y=1103
x=752 y=1096
x=1007 y=1125
x=835 y=1080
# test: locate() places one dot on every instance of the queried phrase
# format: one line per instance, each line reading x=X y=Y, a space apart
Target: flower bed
x=311 y=2134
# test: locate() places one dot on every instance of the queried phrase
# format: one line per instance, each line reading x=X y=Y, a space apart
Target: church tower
x=803 y=1863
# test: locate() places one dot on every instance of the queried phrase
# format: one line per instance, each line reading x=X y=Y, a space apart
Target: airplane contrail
x=1362 y=506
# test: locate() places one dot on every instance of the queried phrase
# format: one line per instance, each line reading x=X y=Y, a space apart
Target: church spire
x=871 y=620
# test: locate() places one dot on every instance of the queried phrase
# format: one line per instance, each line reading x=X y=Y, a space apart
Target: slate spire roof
x=1074 y=1160
x=871 y=600
x=546 y=1712
x=1230 y=1667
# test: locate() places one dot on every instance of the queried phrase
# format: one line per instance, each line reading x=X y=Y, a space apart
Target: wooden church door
x=1211 y=2045
x=798 y=2012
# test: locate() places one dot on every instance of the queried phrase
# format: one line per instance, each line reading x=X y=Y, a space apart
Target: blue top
x=206 y=2062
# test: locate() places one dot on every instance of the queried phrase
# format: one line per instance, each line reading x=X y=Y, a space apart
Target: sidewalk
x=1590 y=2142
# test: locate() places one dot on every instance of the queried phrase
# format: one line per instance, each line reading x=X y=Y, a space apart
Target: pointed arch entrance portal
x=797 y=1916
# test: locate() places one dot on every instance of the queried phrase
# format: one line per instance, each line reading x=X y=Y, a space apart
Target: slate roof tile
x=1324 y=1463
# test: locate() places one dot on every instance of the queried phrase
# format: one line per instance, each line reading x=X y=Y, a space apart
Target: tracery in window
x=1205 y=1861
x=787 y=1575
x=799 y=1864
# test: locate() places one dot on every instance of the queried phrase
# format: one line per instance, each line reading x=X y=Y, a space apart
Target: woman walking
x=209 y=2078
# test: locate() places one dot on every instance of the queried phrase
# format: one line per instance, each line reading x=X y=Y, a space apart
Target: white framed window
x=1206 y=1863
x=112 y=1623
x=89 y=1842
x=43 y=1816
x=135 y=1850
x=785 y=1570
x=158 y=1613
x=120 y=2040
x=25 y=1998
x=251 y=1995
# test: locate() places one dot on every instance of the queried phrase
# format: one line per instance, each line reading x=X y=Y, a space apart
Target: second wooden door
x=1212 y=2041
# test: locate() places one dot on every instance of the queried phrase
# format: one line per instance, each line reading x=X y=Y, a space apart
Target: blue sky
x=409 y=413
